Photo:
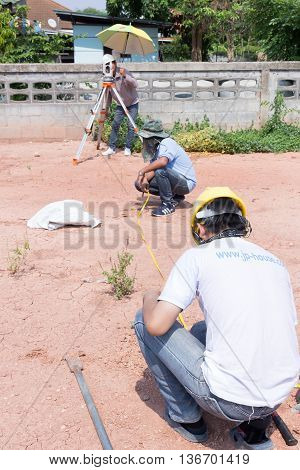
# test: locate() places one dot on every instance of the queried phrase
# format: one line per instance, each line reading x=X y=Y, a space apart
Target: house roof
x=83 y=18
x=43 y=10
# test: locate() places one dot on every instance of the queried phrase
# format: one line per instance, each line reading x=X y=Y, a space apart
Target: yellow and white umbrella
x=126 y=39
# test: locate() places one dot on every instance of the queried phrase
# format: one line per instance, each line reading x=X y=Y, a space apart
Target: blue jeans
x=119 y=116
x=175 y=360
x=166 y=183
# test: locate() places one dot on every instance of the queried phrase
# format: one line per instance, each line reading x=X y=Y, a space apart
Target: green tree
x=93 y=11
x=158 y=10
x=230 y=26
x=276 y=26
x=21 y=44
x=197 y=17
x=8 y=32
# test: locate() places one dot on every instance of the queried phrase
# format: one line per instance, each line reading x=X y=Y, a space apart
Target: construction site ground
x=57 y=302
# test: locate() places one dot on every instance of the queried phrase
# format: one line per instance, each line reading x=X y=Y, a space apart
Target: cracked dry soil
x=56 y=303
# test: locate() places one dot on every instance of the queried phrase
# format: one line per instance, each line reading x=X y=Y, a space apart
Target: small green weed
x=17 y=257
x=120 y=281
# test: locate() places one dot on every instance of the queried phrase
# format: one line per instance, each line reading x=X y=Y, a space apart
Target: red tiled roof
x=42 y=10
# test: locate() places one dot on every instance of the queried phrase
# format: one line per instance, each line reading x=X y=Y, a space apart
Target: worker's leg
x=119 y=115
x=169 y=183
x=169 y=372
x=133 y=111
x=199 y=331
x=175 y=360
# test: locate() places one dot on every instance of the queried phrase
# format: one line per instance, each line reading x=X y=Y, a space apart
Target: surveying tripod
x=108 y=84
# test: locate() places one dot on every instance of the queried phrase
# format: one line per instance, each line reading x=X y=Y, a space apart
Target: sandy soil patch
x=48 y=309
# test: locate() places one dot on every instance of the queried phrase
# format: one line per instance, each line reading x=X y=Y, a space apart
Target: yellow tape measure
x=149 y=249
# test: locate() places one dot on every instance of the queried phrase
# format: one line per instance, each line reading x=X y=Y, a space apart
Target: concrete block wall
x=54 y=100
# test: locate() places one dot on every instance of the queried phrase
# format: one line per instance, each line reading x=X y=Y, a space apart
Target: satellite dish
x=52 y=23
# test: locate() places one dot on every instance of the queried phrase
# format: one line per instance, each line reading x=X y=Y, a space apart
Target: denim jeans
x=119 y=116
x=166 y=183
x=175 y=360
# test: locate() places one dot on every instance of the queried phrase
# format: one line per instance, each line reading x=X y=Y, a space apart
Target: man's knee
x=139 y=323
x=161 y=172
x=139 y=316
x=116 y=124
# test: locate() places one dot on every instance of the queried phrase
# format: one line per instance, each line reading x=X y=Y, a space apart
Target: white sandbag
x=58 y=214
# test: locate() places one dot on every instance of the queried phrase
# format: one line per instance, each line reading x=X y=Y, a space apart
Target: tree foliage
x=197 y=17
x=272 y=27
x=157 y=10
x=19 y=43
x=93 y=11
x=276 y=26
x=230 y=27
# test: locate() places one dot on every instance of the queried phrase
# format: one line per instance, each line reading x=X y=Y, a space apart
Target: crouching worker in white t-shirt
x=240 y=363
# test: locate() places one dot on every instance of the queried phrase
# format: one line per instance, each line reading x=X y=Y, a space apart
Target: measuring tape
x=149 y=249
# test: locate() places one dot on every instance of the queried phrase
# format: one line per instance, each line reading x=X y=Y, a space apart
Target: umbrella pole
x=126 y=44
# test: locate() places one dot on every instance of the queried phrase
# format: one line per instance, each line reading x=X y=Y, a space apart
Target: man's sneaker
x=177 y=200
x=240 y=442
x=193 y=432
x=164 y=209
x=108 y=152
x=127 y=152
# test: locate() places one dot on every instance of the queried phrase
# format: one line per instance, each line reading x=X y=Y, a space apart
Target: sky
x=82 y=4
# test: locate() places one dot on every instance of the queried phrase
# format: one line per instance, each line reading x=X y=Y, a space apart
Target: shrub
x=121 y=282
x=275 y=136
x=205 y=140
x=177 y=50
x=17 y=257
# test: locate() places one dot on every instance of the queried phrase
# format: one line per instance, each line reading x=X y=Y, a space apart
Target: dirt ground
x=57 y=303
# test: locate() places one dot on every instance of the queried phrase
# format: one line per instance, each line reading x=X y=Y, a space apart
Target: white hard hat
x=108 y=58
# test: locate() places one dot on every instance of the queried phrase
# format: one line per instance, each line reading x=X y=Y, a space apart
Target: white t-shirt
x=244 y=291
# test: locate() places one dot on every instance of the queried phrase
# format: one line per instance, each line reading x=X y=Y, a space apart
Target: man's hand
x=142 y=183
x=144 y=186
x=140 y=176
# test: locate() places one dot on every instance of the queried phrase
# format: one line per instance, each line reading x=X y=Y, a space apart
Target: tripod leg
x=89 y=125
x=125 y=110
x=101 y=121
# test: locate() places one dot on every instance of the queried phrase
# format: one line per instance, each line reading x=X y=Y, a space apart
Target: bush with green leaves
x=275 y=136
x=121 y=282
x=205 y=140
x=176 y=51
x=122 y=134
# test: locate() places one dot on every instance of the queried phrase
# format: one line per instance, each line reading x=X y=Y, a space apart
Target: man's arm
x=129 y=79
x=159 y=163
x=159 y=316
x=161 y=310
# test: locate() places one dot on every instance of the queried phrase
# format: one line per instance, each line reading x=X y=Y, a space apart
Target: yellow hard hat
x=209 y=194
